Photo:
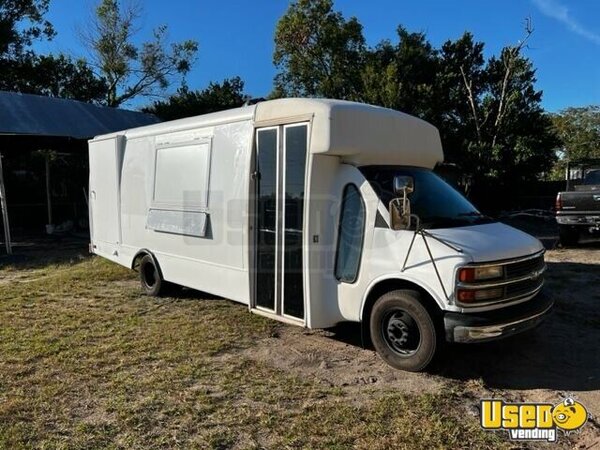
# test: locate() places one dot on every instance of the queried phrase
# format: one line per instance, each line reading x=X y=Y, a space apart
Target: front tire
x=403 y=331
x=151 y=282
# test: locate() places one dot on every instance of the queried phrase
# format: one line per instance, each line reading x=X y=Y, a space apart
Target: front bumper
x=499 y=323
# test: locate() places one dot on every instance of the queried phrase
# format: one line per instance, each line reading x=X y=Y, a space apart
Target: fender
x=145 y=251
x=400 y=277
x=364 y=328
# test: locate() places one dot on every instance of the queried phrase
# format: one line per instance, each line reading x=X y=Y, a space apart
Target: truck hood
x=490 y=242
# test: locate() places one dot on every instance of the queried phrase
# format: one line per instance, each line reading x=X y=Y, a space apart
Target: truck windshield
x=592 y=178
x=437 y=204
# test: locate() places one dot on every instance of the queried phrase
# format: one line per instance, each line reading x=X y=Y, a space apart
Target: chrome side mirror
x=403 y=184
x=400 y=214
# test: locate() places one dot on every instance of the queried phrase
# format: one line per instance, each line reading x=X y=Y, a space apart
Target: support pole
x=4 y=208
x=48 y=189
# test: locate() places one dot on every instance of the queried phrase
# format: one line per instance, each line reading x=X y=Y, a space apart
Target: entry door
x=105 y=163
x=280 y=166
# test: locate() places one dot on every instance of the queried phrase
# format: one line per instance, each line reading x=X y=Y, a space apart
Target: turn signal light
x=478 y=295
x=558 y=204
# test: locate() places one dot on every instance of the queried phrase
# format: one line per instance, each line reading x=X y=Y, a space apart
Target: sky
x=236 y=36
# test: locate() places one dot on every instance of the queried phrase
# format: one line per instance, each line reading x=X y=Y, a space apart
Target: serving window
x=182 y=176
x=180 y=192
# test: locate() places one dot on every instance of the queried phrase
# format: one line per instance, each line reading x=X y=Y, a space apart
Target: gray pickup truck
x=578 y=208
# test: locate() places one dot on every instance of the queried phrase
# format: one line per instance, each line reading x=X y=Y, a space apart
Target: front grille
x=523 y=288
x=523 y=268
x=521 y=279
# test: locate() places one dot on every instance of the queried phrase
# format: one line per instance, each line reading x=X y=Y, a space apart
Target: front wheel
x=403 y=331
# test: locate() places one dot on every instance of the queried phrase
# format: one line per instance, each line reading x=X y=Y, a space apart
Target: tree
x=22 y=22
x=216 y=97
x=402 y=76
x=55 y=76
x=579 y=131
x=318 y=52
x=488 y=111
x=22 y=70
x=495 y=109
x=132 y=70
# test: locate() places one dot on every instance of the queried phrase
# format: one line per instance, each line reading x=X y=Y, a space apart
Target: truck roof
x=360 y=134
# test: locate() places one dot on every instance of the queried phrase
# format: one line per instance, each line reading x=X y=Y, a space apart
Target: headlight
x=470 y=274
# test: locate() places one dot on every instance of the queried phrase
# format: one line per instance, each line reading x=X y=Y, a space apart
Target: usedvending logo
x=533 y=421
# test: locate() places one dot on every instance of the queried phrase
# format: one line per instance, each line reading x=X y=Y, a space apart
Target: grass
x=87 y=362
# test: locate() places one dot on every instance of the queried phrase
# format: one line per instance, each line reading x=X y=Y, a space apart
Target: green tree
x=318 y=52
x=402 y=76
x=579 y=131
x=21 y=23
x=216 y=97
x=493 y=111
x=22 y=70
x=132 y=70
x=488 y=111
x=55 y=76
x=461 y=77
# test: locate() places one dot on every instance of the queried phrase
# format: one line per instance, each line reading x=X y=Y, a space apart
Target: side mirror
x=400 y=214
x=403 y=185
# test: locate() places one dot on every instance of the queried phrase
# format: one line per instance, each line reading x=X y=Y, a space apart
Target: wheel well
x=391 y=285
x=139 y=255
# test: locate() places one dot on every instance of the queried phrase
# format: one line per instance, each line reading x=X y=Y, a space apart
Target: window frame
x=203 y=205
x=362 y=238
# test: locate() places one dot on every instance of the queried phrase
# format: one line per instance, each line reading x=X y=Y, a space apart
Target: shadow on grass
x=39 y=253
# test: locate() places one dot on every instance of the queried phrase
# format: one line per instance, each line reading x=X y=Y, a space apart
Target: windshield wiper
x=476 y=214
x=470 y=214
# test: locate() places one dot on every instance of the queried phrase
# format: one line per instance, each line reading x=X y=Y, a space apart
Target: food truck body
x=315 y=212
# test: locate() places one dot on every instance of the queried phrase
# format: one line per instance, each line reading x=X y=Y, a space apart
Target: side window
x=350 y=235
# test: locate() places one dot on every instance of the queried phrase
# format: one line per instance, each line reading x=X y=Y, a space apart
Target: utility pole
x=4 y=208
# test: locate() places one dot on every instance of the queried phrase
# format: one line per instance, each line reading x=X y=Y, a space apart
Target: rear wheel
x=403 y=331
x=568 y=236
x=150 y=279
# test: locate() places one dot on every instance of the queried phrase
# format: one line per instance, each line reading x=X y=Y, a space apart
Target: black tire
x=568 y=236
x=150 y=279
x=403 y=331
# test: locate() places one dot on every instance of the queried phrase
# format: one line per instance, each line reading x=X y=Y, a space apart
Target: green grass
x=87 y=362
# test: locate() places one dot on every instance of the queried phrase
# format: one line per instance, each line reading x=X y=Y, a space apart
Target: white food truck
x=315 y=212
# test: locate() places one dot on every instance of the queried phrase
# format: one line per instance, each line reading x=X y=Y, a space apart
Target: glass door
x=280 y=172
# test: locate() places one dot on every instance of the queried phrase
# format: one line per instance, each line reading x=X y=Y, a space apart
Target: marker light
x=478 y=295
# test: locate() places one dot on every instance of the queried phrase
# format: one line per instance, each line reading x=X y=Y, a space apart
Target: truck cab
x=578 y=207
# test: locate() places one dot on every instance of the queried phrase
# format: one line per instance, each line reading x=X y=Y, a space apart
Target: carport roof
x=35 y=115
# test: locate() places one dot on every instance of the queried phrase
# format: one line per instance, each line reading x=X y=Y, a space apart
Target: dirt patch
x=328 y=358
